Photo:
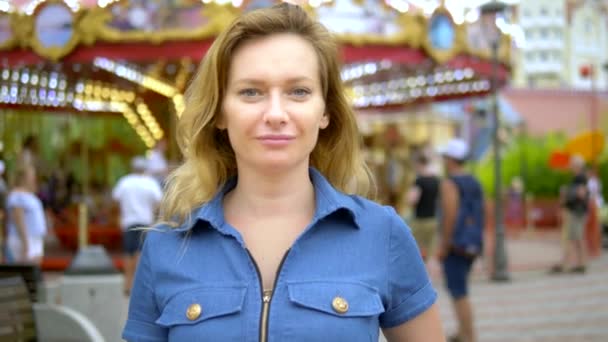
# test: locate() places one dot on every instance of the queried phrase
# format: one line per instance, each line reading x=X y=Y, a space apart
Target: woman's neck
x=261 y=195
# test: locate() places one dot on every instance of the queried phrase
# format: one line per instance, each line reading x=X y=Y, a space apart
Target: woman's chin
x=278 y=165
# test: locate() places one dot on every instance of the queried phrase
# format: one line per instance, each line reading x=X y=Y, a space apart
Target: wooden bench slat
x=17 y=323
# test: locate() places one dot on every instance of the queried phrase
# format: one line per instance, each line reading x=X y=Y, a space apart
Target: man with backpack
x=575 y=199
x=461 y=234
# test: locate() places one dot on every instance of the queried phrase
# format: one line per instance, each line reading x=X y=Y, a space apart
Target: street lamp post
x=605 y=67
x=489 y=13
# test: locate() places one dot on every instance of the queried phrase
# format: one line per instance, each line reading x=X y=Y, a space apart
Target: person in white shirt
x=26 y=222
x=138 y=196
x=158 y=167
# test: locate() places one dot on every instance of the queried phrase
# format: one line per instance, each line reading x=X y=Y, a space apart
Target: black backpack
x=468 y=231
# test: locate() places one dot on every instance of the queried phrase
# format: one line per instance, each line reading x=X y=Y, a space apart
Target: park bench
x=17 y=313
x=23 y=319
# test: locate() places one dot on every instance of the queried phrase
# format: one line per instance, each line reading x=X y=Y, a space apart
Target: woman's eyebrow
x=261 y=80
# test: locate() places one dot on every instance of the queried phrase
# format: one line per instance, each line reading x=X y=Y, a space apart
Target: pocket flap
x=212 y=301
x=362 y=300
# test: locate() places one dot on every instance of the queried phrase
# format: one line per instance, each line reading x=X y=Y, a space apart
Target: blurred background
x=85 y=86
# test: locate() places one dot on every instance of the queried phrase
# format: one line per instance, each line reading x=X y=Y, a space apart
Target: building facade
x=562 y=36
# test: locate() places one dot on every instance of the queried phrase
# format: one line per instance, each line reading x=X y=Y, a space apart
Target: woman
x=265 y=246
x=26 y=223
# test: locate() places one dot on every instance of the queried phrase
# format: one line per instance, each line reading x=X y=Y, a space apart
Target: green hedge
x=528 y=158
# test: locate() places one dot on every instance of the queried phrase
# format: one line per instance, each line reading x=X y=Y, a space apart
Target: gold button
x=194 y=311
x=340 y=305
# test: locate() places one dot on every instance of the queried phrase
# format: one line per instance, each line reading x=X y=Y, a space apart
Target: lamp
x=490 y=12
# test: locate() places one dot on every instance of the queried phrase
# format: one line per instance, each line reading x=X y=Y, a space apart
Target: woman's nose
x=275 y=112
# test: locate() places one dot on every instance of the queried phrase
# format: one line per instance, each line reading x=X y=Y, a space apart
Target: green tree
x=527 y=158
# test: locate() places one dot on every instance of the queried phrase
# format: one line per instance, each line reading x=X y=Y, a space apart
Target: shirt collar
x=328 y=201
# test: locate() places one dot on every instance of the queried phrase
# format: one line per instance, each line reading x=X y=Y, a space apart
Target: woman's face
x=273 y=108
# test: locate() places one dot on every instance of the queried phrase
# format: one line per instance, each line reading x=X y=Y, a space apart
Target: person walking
x=462 y=223
x=138 y=195
x=158 y=167
x=575 y=200
x=593 y=229
x=424 y=196
x=26 y=224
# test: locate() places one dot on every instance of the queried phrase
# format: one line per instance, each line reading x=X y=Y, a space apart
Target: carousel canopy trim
x=146 y=81
x=446 y=83
x=53 y=29
x=393 y=57
x=25 y=87
x=134 y=75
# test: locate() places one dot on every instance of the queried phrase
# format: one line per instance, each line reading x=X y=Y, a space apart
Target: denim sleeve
x=143 y=311
x=410 y=291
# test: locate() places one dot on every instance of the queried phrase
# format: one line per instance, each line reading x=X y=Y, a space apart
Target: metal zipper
x=266 y=295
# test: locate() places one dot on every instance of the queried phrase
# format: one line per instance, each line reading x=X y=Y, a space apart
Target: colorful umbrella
x=588 y=145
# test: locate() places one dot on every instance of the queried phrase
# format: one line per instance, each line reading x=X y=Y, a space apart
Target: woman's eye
x=300 y=92
x=250 y=92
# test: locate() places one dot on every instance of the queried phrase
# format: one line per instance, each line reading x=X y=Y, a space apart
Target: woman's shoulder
x=365 y=204
x=372 y=214
x=383 y=225
x=160 y=230
x=163 y=239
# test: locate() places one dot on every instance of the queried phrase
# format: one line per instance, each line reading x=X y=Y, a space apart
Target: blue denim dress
x=356 y=268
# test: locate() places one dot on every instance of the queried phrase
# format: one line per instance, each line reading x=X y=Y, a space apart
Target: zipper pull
x=267 y=295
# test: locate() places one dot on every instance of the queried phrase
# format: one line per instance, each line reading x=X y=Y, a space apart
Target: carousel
x=101 y=81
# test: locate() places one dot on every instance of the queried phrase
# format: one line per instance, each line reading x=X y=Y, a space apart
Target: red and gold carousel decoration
x=111 y=56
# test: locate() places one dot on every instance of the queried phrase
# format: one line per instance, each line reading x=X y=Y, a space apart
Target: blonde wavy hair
x=209 y=160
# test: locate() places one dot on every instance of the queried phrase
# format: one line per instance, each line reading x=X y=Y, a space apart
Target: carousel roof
x=123 y=57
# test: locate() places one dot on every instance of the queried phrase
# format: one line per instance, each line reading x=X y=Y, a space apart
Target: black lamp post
x=489 y=12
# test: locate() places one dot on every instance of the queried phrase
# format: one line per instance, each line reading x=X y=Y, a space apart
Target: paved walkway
x=539 y=307
x=526 y=252
x=535 y=306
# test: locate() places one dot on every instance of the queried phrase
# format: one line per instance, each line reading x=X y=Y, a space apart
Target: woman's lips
x=275 y=139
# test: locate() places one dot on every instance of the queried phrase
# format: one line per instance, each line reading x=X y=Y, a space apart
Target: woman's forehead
x=287 y=55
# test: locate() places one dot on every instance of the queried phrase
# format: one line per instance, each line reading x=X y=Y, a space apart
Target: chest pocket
x=335 y=311
x=205 y=311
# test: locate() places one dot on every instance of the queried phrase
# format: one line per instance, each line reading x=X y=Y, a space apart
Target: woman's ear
x=220 y=122
x=324 y=121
